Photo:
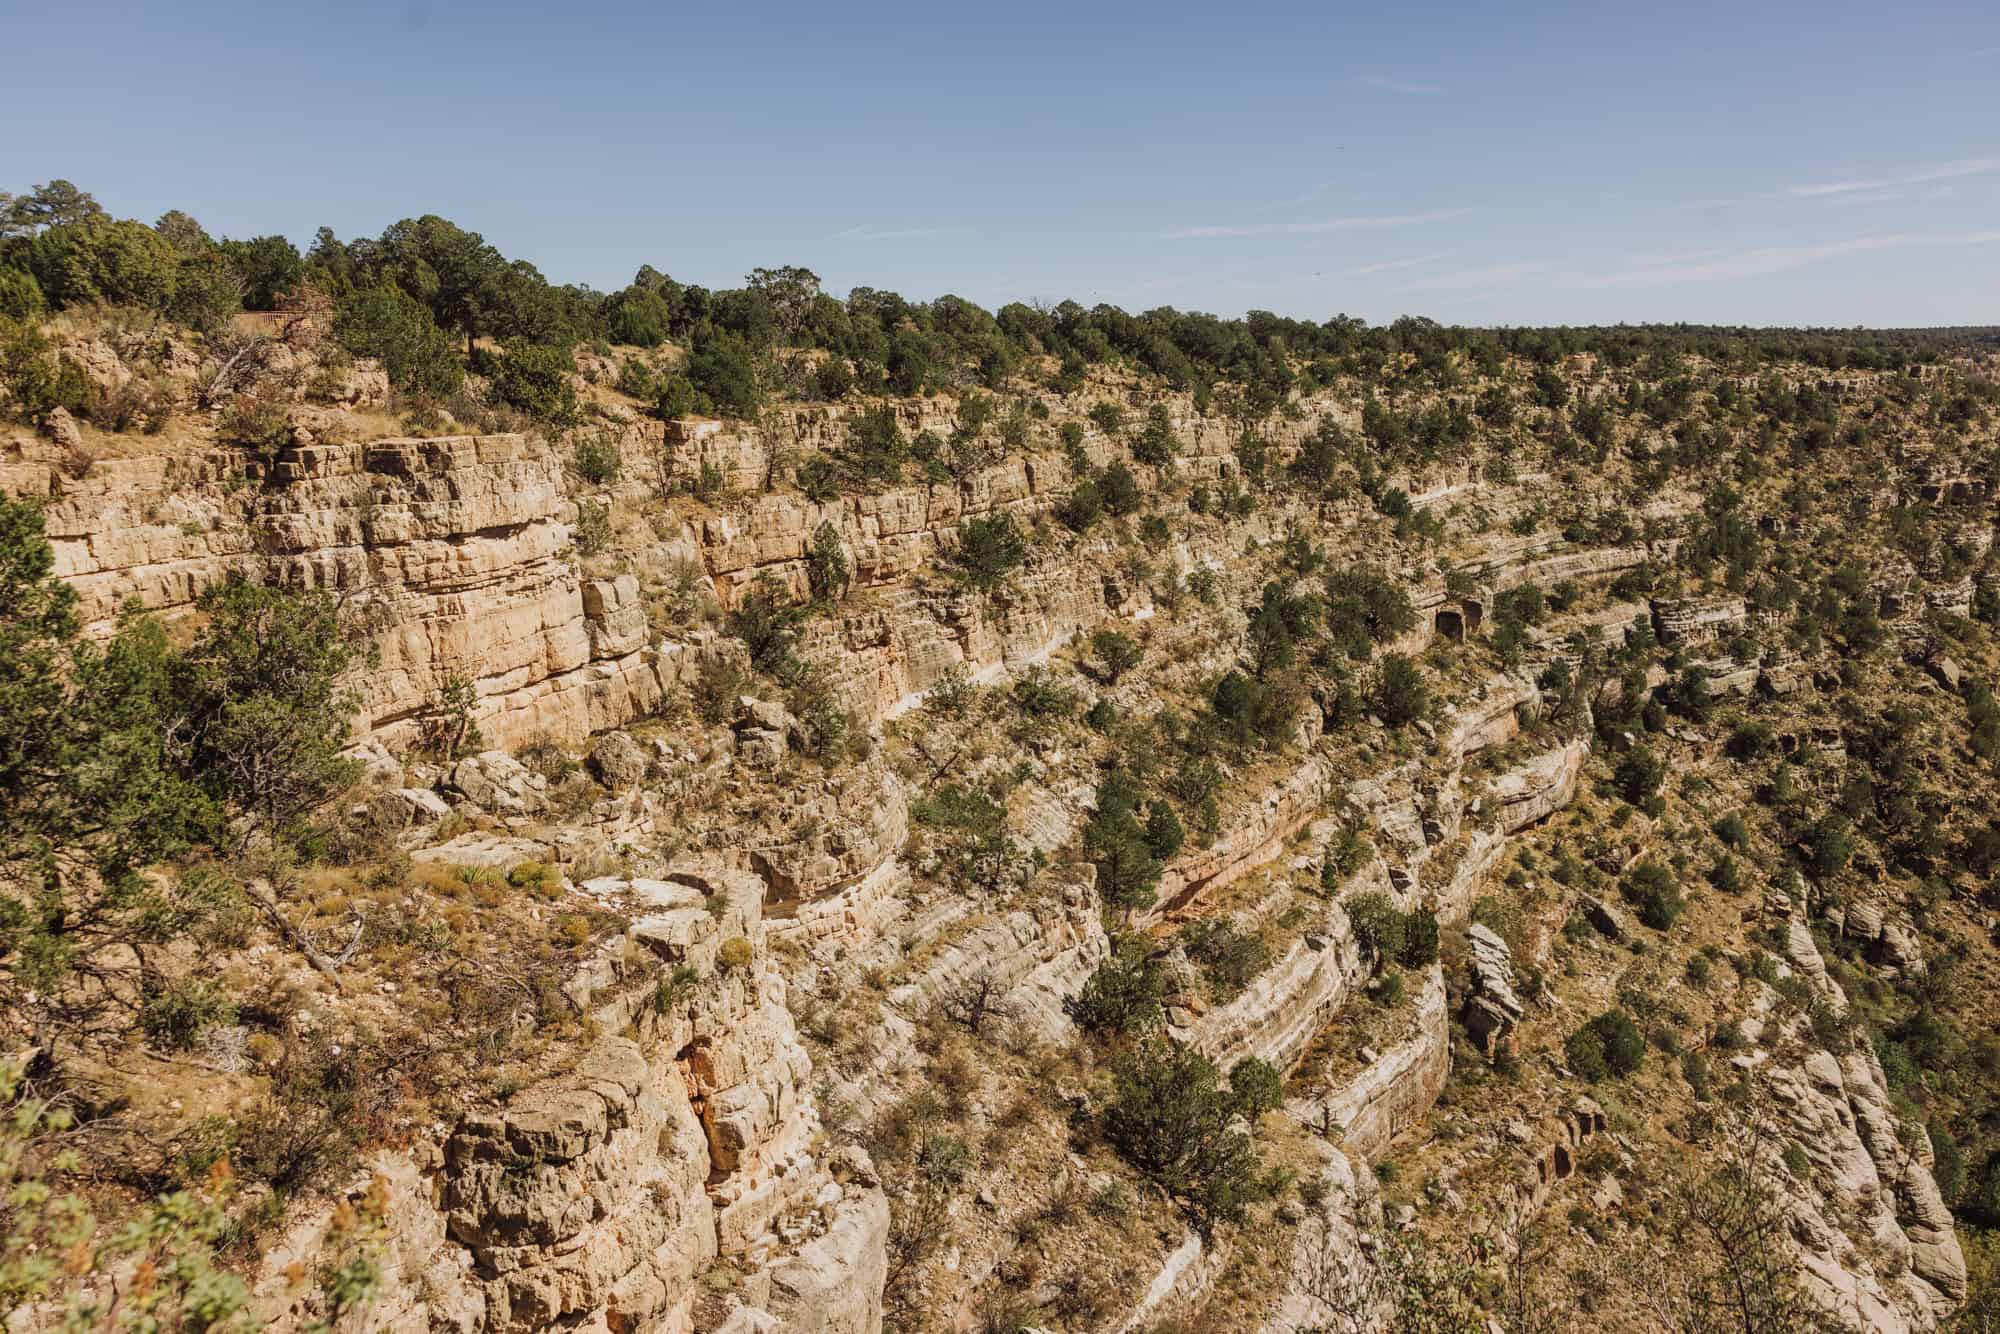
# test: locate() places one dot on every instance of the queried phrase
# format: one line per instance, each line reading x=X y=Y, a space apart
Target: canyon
x=780 y=957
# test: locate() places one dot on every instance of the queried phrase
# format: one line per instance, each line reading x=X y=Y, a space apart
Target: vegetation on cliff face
x=1663 y=657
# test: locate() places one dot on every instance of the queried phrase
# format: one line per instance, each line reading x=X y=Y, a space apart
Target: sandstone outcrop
x=595 y=1198
x=1876 y=1236
x=1397 y=1089
x=1493 y=1011
x=453 y=551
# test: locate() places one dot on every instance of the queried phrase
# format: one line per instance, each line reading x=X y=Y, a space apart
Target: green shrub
x=834 y=380
x=1164 y=835
x=596 y=460
x=1128 y=872
x=1400 y=696
x=173 y=1019
x=1378 y=926
x=1119 y=490
x=1420 y=939
x=1829 y=843
x=768 y=626
x=382 y=322
x=817 y=478
x=1037 y=695
x=1116 y=653
x=1156 y=444
x=826 y=564
x=1345 y=854
x=1171 y=1118
x=1389 y=991
x=36 y=381
x=536 y=379
x=723 y=371
x=1227 y=957
x=1651 y=889
x=875 y=448
x=593 y=527
x=1257 y=1086
x=20 y=295
x=1609 y=1046
x=534 y=876
x=1638 y=778
x=117 y=262
x=1949 y=1162
x=1121 y=996
x=1082 y=507
x=988 y=550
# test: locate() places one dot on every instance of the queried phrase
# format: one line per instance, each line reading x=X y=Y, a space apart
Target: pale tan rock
x=61 y=428
x=617 y=760
x=497 y=783
x=457 y=546
x=1398 y=1087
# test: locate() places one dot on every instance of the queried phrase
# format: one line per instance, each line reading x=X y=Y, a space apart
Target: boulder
x=399 y=808
x=765 y=730
x=62 y=428
x=500 y=784
x=378 y=766
x=617 y=760
x=1607 y=919
x=754 y=714
x=1493 y=1011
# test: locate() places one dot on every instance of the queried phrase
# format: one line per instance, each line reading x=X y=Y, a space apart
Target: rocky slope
x=780 y=966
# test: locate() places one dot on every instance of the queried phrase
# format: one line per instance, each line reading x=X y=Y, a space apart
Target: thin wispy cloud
x=1482 y=278
x=1765 y=260
x=1393 y=265
x=1674 y=257
x=1140 y=291
x=1403 y=86
x=1943 y=171
x=1297 y=201
x=1972 y=166
x=1836 y=188
x=1698 y=266
x=1323 y=277
x=869 y=232
x=1362 y=222
x=1869 y=189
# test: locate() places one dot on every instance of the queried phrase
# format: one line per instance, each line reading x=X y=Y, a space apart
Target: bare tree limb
x=260 y=894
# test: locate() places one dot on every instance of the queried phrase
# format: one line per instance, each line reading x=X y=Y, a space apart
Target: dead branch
x=260 y=894
x=243 y=352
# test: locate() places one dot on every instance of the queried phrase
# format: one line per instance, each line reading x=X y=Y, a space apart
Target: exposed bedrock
x=1395 y=1090
x=454 y=553
x=593 y=1199
x=1871 y=1226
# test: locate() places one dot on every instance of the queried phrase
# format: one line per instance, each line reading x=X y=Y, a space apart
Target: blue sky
x=1759 y=163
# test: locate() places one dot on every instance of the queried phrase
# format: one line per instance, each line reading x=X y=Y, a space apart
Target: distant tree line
x=405 y=296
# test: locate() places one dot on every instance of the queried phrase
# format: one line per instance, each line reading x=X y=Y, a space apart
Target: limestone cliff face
x=908 y=631
x=1397 y=1089
x=1871 y=1227
x=1289 y=1003
x=594 y=1199
x=454 y=552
